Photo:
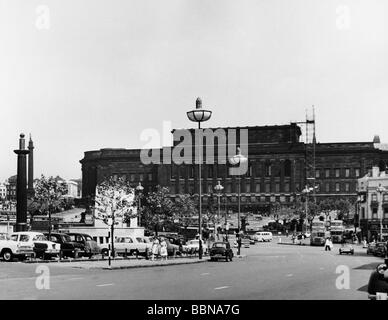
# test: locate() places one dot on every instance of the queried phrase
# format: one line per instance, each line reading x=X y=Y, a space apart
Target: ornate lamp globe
x=199 y=114
x=140 y=187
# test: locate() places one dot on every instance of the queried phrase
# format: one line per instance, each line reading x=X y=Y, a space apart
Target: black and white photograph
x=193 y=155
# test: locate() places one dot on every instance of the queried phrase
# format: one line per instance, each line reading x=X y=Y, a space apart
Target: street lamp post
x=235 y=160
x=139 y=190
x=199 y=115
x=219 y=188
x=380 y=189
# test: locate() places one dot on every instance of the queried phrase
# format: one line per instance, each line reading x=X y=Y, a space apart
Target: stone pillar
x=21 y=186
x=30 y=190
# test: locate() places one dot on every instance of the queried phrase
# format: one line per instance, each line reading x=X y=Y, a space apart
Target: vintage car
x=346 y=248
x=380 y=249
x=88 y=246
x=10 y=249
x=129 y=245
x=43 y=248
x=221 y=250
x=69 y=248
x=193 y=246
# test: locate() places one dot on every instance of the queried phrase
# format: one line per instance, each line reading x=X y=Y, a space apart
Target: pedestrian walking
x=155 y=248
x=163 y=249
x=327 y=244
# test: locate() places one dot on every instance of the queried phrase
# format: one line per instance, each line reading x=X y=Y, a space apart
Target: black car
x=88 y=245
x=221 y=250
x=380 y=249
x=69 y=248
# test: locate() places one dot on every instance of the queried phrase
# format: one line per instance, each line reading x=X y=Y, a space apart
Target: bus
x=318 y=233
x=337 y=231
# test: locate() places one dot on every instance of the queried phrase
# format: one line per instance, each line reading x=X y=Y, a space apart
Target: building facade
x=373 y=204
x=11 y=188
x=276 y=167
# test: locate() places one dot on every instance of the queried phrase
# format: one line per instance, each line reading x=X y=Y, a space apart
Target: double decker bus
x=318 y=233
x=337 y=230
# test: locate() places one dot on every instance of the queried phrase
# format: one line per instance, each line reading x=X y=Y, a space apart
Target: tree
x=48 y=196
x=184 y=209
x=157 y=209
x=113 y=201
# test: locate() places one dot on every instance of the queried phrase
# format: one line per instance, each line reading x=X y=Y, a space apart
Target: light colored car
x=194 y=244
x=42 y=247
x=128 y=244
x=10 y=249
x=263 y=236
x=348 y=249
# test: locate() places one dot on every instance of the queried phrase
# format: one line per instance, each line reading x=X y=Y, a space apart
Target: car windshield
x=140 y=239
x=14 y=237
x=219 y=245
x=88 y=238
x=38 y=237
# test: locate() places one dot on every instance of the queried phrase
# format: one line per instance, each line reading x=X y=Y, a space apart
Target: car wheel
x=226 y=258
x=230 y=259
x=105 y=252
x=7 y=255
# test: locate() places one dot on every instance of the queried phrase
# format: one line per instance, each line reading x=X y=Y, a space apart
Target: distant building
x=3 y=191
x=373 y=204
x=276 y=169
x=11 y=188
x=79 y=187
x=72 y=187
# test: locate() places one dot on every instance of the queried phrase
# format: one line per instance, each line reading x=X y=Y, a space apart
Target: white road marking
x=321 y=268
x=75 y=279
x=289 y=275
x=205 y=274
x=105 y=285
x=219 y=288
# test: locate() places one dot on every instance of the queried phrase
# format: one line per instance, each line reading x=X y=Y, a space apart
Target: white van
x=263 y=236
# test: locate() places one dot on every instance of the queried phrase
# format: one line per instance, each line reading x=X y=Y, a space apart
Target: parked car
x=128 y=244
x=173 y=249
x=69 y=248
x=10 y=249
x=346 y=248
x=193 y=245
x=371 y=248
x=42 y=247
x=88 y=246
x=263 y=236
x=380 y=249
x=221 y=250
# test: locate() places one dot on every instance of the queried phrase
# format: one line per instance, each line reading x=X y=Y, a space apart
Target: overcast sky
x=91 y=74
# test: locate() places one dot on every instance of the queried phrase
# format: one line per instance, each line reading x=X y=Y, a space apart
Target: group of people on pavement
x=159 y=248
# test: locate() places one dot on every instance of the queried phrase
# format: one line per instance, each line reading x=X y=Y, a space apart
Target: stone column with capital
x=21 y=186
x=30 y=190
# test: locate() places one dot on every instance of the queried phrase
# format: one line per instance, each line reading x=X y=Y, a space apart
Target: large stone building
x=276 y=169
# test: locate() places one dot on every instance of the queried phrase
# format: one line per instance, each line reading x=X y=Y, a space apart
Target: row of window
x=375 y=199
x=338 y=173
x=270 y=170
x=268 y=188
x=133 y=177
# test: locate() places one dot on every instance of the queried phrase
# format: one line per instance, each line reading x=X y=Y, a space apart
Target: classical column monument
x=21 y=186
x=30 y=189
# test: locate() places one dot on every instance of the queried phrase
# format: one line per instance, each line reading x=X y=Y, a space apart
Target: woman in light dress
x=155 y=248
x=163 y=249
